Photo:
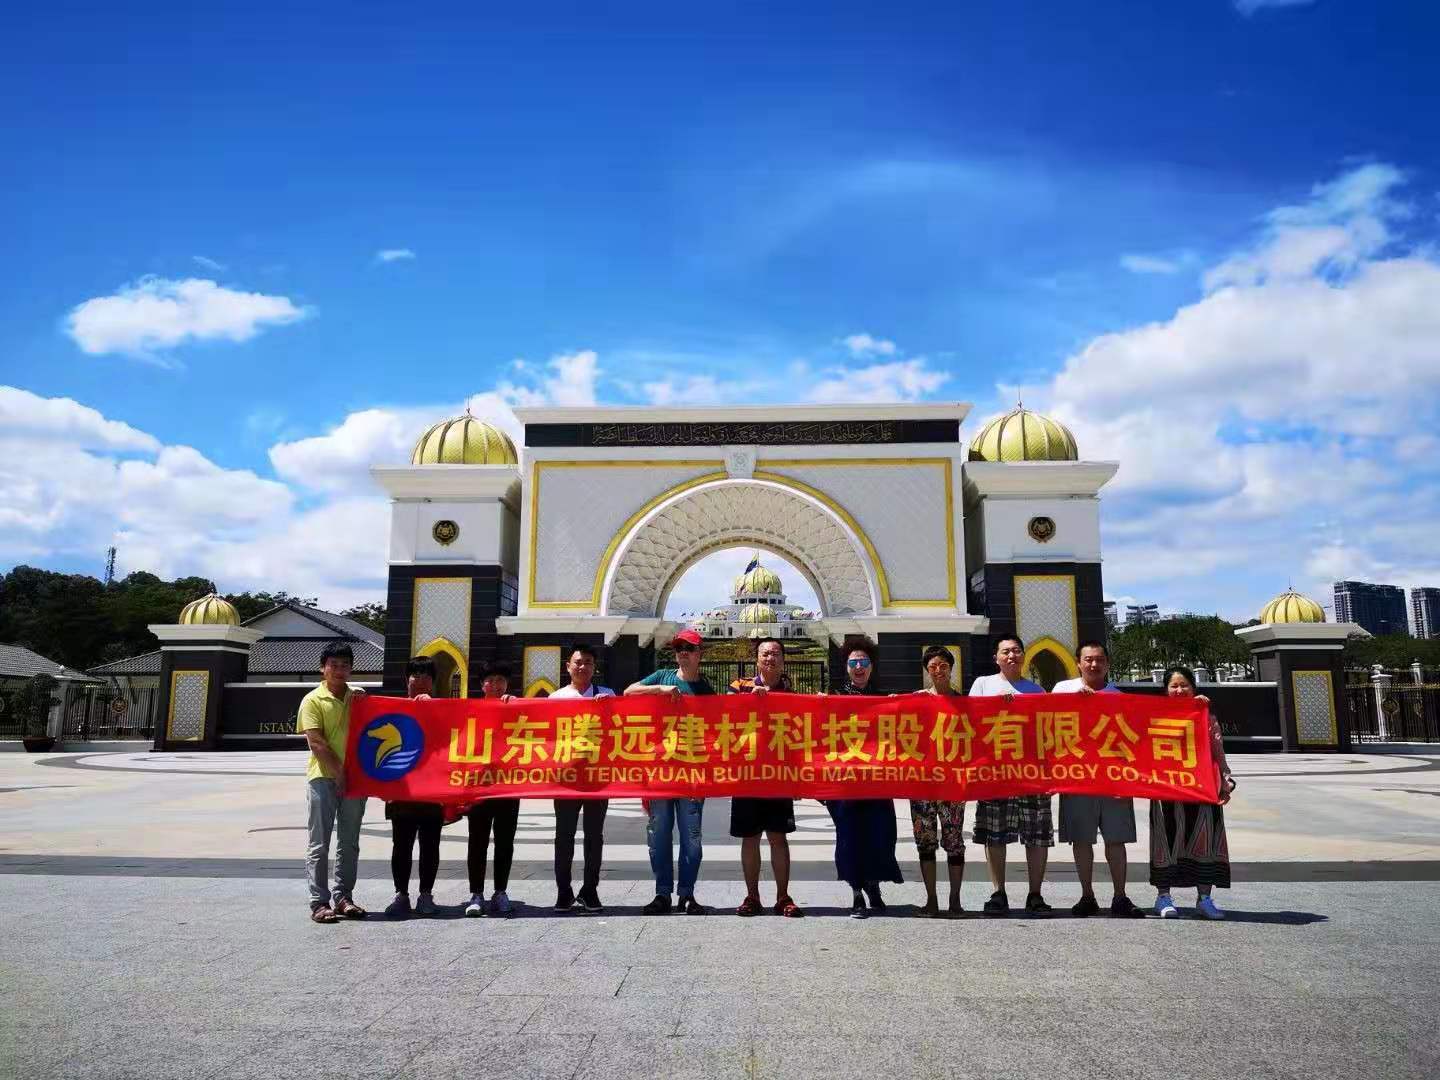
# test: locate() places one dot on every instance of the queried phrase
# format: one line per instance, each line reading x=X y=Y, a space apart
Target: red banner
x=919 y=746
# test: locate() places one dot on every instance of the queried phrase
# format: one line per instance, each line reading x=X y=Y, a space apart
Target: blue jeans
x=665 y=814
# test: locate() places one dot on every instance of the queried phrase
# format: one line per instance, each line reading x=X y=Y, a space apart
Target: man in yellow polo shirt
x=324 y=720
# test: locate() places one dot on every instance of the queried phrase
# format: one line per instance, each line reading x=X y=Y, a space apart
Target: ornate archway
x=681 y=530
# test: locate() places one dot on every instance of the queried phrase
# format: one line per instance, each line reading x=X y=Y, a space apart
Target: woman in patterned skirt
x=1188 y=848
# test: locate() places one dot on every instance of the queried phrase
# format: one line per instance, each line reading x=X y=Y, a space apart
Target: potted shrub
x=34 y=704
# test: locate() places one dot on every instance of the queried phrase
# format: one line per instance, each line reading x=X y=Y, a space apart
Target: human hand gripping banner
x=920 y=746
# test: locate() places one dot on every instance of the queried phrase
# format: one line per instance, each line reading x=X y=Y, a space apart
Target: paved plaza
x=157 y=927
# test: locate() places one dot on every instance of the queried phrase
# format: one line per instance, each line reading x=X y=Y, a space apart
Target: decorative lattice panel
x=1045 y=607
x=901 y=509
x=442 y=610
x=1314 y=708
x=730 y=514
x=542 y=667
x=580 y=509
x=188 y=693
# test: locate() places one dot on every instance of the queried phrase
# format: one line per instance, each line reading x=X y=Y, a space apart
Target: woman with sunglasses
x=864 y=828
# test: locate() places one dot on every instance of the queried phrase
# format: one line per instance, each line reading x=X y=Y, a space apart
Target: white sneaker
x=476 y=907
x=500 y=904
x=1209 y=908
x=1165 y=907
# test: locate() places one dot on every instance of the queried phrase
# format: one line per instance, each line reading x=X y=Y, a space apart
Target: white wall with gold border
x=588 y=495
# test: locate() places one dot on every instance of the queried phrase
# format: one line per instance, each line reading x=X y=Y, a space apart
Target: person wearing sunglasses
x=865 y=830
x=665 y=815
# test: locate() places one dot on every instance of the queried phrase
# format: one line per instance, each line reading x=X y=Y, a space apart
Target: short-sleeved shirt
x=569 y=691
x=671 y=677
x=1074 y=686
x=999 y=686
x=322 y=711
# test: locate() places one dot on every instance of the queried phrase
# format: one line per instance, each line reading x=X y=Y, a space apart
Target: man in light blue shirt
x=1022 y=817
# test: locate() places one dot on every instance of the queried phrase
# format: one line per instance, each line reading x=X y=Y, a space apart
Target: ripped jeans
x=664 y=816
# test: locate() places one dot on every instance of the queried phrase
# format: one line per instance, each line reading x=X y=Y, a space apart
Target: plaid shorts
x=1024 y=817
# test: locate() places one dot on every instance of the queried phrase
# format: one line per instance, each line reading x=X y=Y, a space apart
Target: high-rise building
x=1112 y=617
x=1380 y=609
x=1141 y=614
x=1425 y=612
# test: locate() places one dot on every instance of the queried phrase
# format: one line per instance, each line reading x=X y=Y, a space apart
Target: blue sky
x=701 y=200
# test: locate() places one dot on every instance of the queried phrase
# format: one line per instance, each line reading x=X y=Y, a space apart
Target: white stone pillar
x=1381 y=682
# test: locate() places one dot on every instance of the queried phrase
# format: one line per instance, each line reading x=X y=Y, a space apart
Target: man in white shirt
x=1082 y=816
x=1022 y=817
x=581 y=669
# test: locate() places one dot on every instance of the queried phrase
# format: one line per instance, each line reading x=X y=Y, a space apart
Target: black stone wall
x=493 y=593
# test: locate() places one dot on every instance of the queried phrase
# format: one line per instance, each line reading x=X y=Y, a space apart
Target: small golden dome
x=756 y=581
x=209 y=610
x=757 y=613
x=1291 y=607
x=464 y=441
x=1021 y=435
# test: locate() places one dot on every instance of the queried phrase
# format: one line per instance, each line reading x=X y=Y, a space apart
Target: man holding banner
x=581 y=669
x=774 y=817
x=1083 y=816
x=1020 y=817
x=664 y=815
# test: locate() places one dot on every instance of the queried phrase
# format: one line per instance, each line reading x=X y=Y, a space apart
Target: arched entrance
x=452 y=676
x=679 y=531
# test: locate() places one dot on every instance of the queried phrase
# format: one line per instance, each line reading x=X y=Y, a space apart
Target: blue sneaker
x=1209 y=908
x=1165 y=907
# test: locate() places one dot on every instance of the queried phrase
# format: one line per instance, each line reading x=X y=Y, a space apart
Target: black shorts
x=751 y=817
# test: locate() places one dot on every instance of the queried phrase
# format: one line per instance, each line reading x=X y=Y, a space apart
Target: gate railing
x=93 y=711
x=1394 y=713
x=806 y=676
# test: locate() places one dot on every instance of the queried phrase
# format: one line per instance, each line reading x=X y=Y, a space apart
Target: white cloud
x=899 y=380
x=209 y=263
x=1249 y=7
x=389 y=255
x=865 y=345
x=159 y=313
x=687 y=390
x=1280 y=416
x=29 y=416
x=566 y=379
x=1150 y=264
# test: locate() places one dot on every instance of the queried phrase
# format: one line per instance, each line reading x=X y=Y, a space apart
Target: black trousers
x=405 y=827
x=567 y=817
x=504 y=816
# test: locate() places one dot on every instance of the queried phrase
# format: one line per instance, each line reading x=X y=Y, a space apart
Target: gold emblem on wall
x=1041 y=529
x=445 y=532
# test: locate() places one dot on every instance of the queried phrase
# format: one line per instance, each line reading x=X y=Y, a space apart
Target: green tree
x=250 y=604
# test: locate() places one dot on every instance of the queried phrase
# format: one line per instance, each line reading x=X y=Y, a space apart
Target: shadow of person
x=1273 y=918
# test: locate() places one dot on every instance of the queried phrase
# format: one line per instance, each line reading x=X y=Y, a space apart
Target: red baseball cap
x=690 y=637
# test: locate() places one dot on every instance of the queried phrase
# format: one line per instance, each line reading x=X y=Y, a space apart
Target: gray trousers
x=330 y=813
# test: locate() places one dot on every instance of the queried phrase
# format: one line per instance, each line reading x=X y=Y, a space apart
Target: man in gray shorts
x=1082 y=816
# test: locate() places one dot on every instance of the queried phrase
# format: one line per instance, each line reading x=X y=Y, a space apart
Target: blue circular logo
x=390 y=746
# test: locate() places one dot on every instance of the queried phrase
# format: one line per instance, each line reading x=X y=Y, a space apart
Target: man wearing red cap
x=666 y=814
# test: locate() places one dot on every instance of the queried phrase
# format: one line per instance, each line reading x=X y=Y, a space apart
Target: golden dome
x=209 y=610
x=464 y=441
x=757 y=613
x=1021 y=435
x=1291 y=607
x=756 y=581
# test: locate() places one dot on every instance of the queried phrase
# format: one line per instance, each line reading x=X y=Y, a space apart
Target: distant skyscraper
x=1141 y=614
x=1112 y=617
x=1380 y=609
x=1425 y=612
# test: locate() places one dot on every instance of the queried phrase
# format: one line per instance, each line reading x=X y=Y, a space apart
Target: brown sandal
x=322 y=914
x=348 y=909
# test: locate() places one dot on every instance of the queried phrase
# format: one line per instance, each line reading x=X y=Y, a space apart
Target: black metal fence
x=1397 y=714
x=806 y=676
x=94 y=711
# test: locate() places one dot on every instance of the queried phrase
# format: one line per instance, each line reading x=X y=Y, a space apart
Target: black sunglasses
x=685 y=646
